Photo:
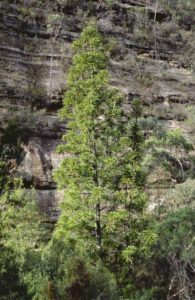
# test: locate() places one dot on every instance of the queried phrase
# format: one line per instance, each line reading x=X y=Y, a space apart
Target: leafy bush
x=176 y=245
x=11 y=287
x=182 y=195
x=23 y=235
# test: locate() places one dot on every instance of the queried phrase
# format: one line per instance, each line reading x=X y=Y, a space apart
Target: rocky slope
x=152 y=51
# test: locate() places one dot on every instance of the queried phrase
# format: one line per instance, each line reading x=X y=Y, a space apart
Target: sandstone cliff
x=152 y=56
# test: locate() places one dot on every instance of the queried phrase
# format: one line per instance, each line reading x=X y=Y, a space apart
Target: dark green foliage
x=12 y=136
x=169 y=270
x=3 y=175
x=65 y=275
x=11 y=287
x=181 y=226
x=90 y=282
x=176 y=246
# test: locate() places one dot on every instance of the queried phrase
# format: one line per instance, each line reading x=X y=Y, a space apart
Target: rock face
x=151 y=57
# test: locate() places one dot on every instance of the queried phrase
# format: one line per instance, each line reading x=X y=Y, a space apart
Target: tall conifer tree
x=101 y=170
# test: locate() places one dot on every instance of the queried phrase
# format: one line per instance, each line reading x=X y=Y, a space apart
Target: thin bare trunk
x=98 y=206
x=98 y=226
x=155 y=12
x=51 y=70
